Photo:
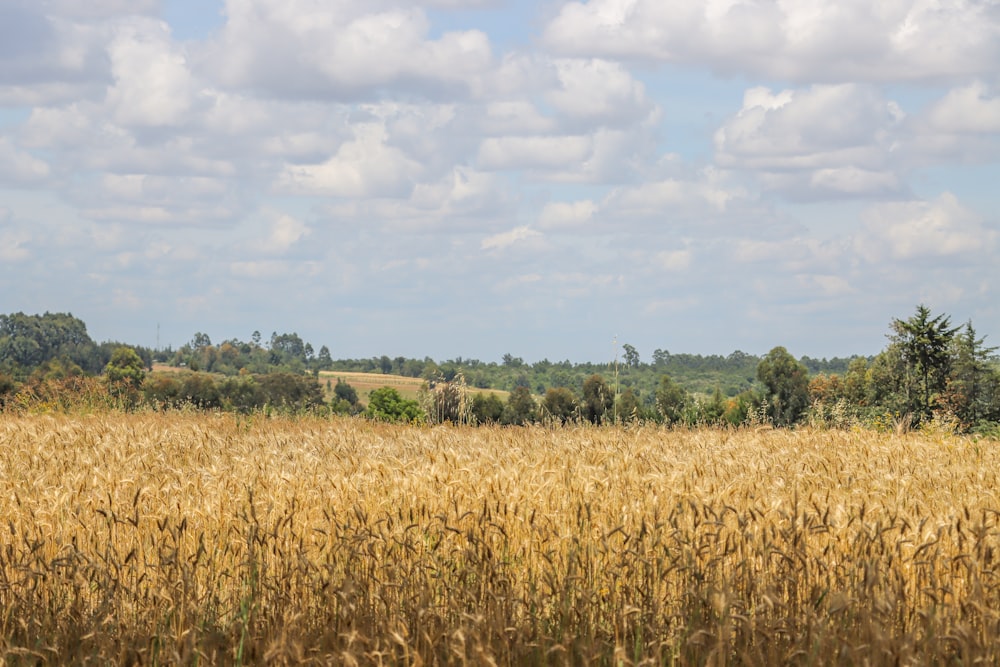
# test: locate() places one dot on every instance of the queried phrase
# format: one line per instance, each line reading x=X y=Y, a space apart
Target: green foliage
x=598 y=399
x=671 y=400
x=7 y=388
x=125 y=373
x=521 y=408
x=28 y=341
x=559 y=404
x=786 y=382
x=924 y=343
x=628 y=407
x=487 y=408
x=386 y=404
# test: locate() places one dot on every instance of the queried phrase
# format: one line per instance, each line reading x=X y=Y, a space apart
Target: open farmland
x=183 y=538
x=366 y=383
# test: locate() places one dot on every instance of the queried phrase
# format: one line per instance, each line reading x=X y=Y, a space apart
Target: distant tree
x=7 y=388
x=559 y=404
x=971 y=385
x=521 y=407
x=629 y=408
x=200 y=390
x=162 y=391
x=598 y=399
x=345 y=392
x=290 y=391
x=787 y=384
x=27 y=341
x=241 y=394
x=511 y=361
x=925 y=344
x=386 y=404
x=200 y=340
x=660 y=357
x=385 y=365
x=487 y=408
x=125 y=373
x=345 y=398
x=671 y=400
x=323 y=360
x=631 y=356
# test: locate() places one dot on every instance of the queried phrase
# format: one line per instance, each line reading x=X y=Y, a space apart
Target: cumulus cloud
x=941 y=229
x=509 y=238
x=789 y=39
x=835 y=140
x=19 y=167
x=598 y=90
x=13 y=240
x=340 y=50
x=363 y=167
x=153 y=85
x=567 y=215
x=973 y=109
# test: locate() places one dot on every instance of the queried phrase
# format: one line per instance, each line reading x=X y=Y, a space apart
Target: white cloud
x=820 y=141
x=675 y=260
x=364 y=167
x=938 y=229
x=12 y=239
x=598 y=91
x=152 y=83
x=797 y=40
x=286 y=231
x=306 y=48
x=566 y=215
x=970 y=109
x=509 y=238
x=47 y=57
x=18 y=167
x=552 y=152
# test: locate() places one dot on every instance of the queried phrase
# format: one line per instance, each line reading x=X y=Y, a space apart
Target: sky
x=469 y=178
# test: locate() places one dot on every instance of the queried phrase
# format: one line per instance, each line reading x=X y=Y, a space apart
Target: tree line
x=929 y=370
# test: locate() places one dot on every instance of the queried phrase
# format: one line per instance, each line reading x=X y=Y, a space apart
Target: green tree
x=671 y=400
x=200 y=390
x=521 y=407
x=628 y=408
x=324 y=361
x=631 y=356
x=787 y=384
x=345 y=392
x=598 y=399
x=559 y=404
x=487 y=408
x=386 y=404
x=125 y=373
x=969 y=393
x=925 y=345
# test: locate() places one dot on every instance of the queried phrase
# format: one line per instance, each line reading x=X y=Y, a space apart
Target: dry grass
x=187 y=538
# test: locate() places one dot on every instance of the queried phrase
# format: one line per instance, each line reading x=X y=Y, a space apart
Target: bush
x=385 y=404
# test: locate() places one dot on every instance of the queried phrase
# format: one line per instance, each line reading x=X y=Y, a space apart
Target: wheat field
x=212 y=539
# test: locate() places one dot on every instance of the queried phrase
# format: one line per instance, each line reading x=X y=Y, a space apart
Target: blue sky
x=476 y=177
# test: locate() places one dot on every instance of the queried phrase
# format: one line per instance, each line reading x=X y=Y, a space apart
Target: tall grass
x=192 y=538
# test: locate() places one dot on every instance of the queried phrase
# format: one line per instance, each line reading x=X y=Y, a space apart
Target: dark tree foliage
x=521 y=408
x=559 y=404
x=386 y=404
x=487 y=408
x=598 y=399
x=787 y=385
x=28 y=341
x=924 y=343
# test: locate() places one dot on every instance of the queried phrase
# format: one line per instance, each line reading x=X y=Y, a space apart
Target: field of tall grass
x=187 y=538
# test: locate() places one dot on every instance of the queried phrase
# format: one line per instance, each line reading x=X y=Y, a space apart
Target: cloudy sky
x=473 y=177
